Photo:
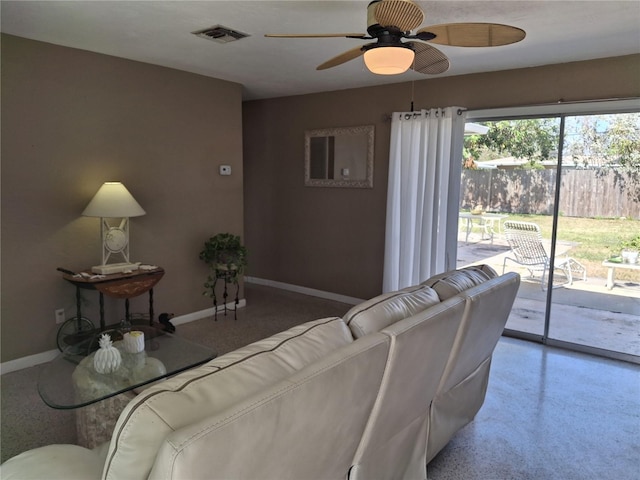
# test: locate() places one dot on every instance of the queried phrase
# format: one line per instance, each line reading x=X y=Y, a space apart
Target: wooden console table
x=117 y=285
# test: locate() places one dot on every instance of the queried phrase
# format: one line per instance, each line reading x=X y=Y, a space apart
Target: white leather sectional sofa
x=376 y=394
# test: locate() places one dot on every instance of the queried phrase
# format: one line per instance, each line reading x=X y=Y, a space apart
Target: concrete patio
x=585 y=313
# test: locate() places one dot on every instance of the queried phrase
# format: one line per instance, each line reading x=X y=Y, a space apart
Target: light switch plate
x=225 y=169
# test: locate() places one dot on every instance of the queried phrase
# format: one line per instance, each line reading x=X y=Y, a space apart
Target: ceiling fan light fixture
x=388 y=60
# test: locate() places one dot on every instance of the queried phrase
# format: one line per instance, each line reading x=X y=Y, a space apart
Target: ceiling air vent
x=220 y=34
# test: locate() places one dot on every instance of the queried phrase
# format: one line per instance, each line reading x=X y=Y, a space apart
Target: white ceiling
x=158 y=32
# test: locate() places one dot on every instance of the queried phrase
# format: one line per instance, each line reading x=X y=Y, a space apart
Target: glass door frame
x=560 y=111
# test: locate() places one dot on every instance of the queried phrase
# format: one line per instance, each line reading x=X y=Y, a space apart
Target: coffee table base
x=95 y=422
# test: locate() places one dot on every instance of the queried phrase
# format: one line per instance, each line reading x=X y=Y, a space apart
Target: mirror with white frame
x=339 y=157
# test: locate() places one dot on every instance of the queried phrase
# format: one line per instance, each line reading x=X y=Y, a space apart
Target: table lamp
x=112 y=201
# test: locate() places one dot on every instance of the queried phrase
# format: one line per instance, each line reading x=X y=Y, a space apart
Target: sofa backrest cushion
x=452 y=283
x=394 y=442
x=464 y=383
x=307 y=426
x=488 y=306
x=386 y=309
x=211 y=388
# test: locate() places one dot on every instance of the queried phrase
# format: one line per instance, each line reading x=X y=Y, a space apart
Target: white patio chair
x=525 y=241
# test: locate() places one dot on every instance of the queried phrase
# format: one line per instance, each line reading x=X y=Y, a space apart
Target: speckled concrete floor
x=549 y=413
x=585 y=313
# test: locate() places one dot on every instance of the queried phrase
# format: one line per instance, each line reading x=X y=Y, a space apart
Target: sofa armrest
x=55 y=462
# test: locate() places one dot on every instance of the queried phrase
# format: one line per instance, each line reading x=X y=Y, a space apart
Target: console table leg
x=151 y=307
x=127 y=316
x=102 y=325
x=78 y=305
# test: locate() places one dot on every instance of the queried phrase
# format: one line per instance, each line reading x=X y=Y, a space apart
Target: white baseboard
x=305 y=290
x=29 y=361
x=207 y=312
x=44 y=357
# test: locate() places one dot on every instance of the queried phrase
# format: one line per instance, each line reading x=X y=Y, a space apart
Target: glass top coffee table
x=71 y=381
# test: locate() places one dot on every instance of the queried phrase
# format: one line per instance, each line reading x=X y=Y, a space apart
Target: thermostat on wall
x=225 y=169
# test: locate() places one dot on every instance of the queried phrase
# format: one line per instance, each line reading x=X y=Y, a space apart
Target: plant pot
x=629 y=256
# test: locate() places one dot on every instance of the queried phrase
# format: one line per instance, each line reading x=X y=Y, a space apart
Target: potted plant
x=630 y=250
x=226 y=257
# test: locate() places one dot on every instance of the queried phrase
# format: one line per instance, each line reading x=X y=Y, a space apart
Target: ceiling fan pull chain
x=412 y=91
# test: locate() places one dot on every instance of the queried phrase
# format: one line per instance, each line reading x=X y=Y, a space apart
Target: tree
x=591 y=141
x=531 y=139
x=612 y=141
x=608 y=144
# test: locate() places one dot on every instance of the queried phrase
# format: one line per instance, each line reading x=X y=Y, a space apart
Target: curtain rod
x=582 y=107
x=585 y=107
x=387 y=117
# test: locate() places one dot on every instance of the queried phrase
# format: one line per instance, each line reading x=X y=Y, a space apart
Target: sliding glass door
x=560 y=196
x=598 y=217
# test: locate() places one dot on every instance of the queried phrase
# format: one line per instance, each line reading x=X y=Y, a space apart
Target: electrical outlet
x=225 y=169
x=60 y=318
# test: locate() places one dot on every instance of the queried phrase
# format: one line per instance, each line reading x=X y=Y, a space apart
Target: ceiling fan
x=390 y=21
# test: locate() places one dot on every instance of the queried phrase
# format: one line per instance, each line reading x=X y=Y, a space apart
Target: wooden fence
x=583 y=193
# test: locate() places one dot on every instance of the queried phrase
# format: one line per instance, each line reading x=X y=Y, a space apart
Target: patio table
x=487 y=221
x=611 y=270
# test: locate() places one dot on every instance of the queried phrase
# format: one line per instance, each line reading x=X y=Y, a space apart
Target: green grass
x=595 y=239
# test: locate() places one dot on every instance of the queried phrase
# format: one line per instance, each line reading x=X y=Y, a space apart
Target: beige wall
x=333 y=239
x=72 y=120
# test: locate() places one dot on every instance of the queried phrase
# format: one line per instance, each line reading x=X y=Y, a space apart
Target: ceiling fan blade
x=342 y=58
x=428 y=59
x=403 y=14
x=474 y=34
x=316 y=35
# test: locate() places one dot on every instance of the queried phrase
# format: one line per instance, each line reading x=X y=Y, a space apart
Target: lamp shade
x=113 y=200
x=388 y=60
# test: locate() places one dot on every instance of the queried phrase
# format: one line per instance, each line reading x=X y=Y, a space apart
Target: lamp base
x=115 y=268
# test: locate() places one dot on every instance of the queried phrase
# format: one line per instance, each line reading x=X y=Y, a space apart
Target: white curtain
x=425 y=161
